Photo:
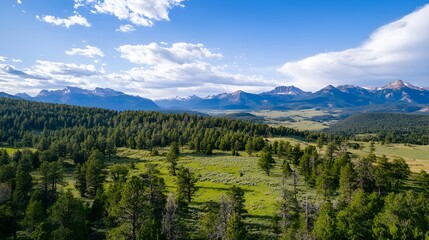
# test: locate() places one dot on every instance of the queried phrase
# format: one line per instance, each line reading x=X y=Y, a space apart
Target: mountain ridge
x=280 y=98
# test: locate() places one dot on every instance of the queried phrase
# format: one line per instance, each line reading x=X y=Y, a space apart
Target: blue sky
x=167 y=48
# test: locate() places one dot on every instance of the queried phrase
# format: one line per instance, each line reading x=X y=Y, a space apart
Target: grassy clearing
x=416 y=156
x=299 y=119
x=217 y=173
x=9 y=150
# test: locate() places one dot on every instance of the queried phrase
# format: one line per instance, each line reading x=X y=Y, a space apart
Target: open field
x=217 y=173
x=299 y=119
x=417 y=156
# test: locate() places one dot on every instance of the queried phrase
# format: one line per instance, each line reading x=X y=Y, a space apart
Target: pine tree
x=325 y=225
x=347 y=182
x=94 y=175
x=130 y=210
x=172 y=157
x=68 y=217
x=186 y=184
x=235 y=227
x=266 y=161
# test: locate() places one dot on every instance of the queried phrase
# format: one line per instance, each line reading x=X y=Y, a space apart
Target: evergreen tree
x=68 y=218
x=130 y=210
x=35 y=213
x=94 y=175
x=404 y=216
x=325 y=225
x=156 y=200
x=186 y=184
x=80 y=177
x=266 y=161
x=235 y=227
x=347 y=182
x=172 y=157
x=355 y=221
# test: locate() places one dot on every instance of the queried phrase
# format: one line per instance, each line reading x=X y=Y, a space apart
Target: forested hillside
x=65 y=174
x=75 y=130
x=386 y=127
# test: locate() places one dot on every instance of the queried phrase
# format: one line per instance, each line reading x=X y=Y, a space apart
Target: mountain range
x=100 y=97
x=396 y=96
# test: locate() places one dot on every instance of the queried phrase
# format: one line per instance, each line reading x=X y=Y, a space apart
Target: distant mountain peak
x=329 y=88
x=106 y=92
x=23 y=95
x=285 y=90
x=399 y=84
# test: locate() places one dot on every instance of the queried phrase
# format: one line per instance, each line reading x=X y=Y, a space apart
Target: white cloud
x=139 y=12
x=180 y=69
x=399 y=50
x=88 y=51
x=178 y=53
x=55 y=69
x=3 y=59
x=19 y=1
x=126 y=28
x=48 y=75
x=66 y=22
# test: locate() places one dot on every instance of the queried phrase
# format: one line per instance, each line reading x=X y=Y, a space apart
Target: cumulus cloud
x=19 y=1
x=56 y=69
x=126 y=28
x=66 y=22
x=7 y=69
x=163 y=70
x=139 y=12
x=48 y=75
x=3 y=59
x=399 y=50
x=180 y=69
x=88 y=51
x=178 y=53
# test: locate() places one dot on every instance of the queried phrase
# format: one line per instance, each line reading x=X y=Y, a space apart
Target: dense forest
x=355 y=197
x=385 y=127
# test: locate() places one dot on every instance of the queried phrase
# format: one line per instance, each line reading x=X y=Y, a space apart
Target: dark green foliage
x=235 y=227
x=423 y=180
x=172 y=157
x=61 y=130
x=266 y=160
x=51 y=175
x=7 y=223
x=68 y=218
x=130 y=211
x=387 y=127
x=355 y=221
x=236 y=198
x=94 y=173
x=156 y=202
x=118 y=172
x=404 y=216
x=80 y=177
x=347 y=183
x=186 y=184
x=325 y=225
x=225 y=219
